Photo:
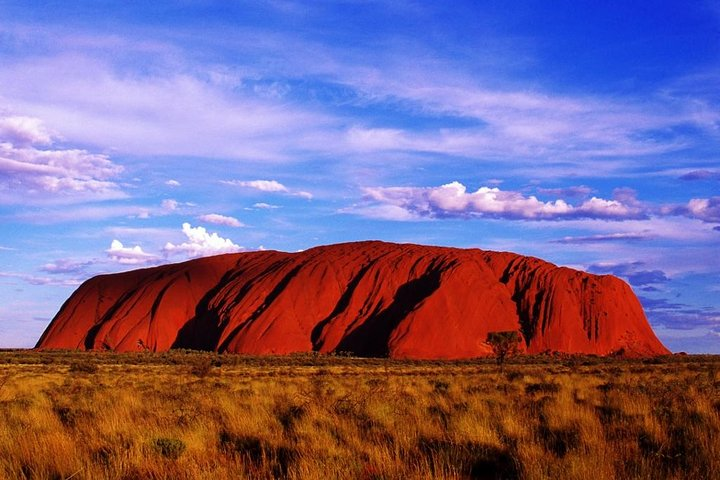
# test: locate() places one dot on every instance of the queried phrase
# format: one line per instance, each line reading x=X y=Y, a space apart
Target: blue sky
x=584 y=133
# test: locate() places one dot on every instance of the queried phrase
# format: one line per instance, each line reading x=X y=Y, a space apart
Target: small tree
x=504 y=344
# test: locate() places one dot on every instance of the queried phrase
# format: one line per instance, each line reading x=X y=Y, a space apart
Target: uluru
x=367 y=298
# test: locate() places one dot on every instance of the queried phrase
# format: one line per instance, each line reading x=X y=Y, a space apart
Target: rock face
x=368 y=298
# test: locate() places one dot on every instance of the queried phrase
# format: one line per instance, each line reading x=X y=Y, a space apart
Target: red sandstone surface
x=368 y=298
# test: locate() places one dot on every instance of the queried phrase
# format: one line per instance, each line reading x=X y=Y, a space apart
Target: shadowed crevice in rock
x=91 y=337
x=371 y=337
x=202 y=331
x=341 y=306
x=276 y=291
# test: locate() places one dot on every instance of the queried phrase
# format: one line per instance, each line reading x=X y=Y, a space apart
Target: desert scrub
x=83 y=366
x=310 y=416
x=170 y=448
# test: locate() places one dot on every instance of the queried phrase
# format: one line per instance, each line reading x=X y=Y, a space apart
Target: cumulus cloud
x=453 y=200
x=172 y=183
x=200 y=243
x=28 y=172
x=129 y=255
x=221 y=220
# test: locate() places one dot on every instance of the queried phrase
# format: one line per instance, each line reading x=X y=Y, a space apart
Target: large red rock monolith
x=368 y=298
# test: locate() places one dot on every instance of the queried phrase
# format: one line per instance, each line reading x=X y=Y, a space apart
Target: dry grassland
x=187 y=415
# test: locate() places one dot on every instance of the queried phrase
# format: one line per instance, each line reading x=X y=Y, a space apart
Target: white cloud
x=272 y=186
x=129 y=255
x=172 y=183
x=221 y=220
x=169 y=205
x=264 y=206
x=453 y=199
x=383 y=212
x=705 y=209
x=262 y=185
x=31 y=174
x=302 y=194
x=201 y=243
x=22 y=131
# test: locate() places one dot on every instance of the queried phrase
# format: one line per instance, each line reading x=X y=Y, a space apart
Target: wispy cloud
x=262 y=185
x=38 y=280
x=63 y=267
x=271 y=186
x=85 y=212
x=635 y=272
x=701 y=175
x=218 y=219
x=580 y=191
x=680 y=316
x=610 y=237
x=89 y=99
x=518 y=123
